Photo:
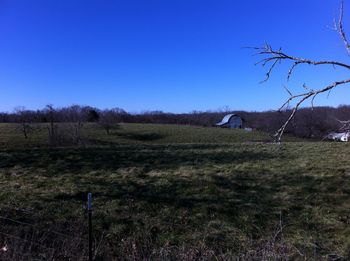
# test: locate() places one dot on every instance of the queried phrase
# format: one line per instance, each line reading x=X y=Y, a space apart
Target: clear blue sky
x=170 y=55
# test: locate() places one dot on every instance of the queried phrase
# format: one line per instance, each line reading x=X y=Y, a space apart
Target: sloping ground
x=92 y=134
x=162 y=133
x=181 y=201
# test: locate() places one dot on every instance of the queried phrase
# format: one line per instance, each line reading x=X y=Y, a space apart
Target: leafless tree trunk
x=23 y=121
x=52 y=128
x=110 y=118
x=272 y=57
x=75 y=118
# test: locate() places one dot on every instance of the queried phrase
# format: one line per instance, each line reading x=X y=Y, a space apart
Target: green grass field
x=136 y=134
x=176 y=192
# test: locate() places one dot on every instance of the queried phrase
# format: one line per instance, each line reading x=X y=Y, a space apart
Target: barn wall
x=235 y=122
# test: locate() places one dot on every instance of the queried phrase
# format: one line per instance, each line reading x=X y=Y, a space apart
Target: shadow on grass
x=141 y=136
x=153 y=157
x=243 y=199
x=251 y=202
x=99 y=142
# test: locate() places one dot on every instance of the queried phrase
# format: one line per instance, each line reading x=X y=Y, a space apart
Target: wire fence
x=37 y=226
x=21 y=237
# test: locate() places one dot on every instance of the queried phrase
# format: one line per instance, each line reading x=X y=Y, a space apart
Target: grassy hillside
x=178 y=196
x=162 y=134
x=10 y=135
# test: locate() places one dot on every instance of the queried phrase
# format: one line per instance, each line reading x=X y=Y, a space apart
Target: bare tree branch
x=271 y=57
x=274 y=56
x=340 y=29
x=303 y=97
x=345 y=125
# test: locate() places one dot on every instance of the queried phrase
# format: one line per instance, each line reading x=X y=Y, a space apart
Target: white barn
x=231 y=121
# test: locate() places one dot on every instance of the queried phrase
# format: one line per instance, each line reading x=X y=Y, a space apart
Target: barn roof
x=226 y=119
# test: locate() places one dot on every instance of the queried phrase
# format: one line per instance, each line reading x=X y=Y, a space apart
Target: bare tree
x=23 y=119
x=272 y=57
x=109 y=119
x=52 y=127
x=75 y=117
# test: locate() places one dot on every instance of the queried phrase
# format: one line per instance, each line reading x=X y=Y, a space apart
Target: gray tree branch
x=272 y=57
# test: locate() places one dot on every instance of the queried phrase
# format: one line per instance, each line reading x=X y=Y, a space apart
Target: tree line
x=313 y=122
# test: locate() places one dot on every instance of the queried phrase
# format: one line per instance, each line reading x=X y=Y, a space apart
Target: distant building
x=231 y=121
x=343 y=136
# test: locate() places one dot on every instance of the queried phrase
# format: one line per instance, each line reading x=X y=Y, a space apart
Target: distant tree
x=51 y=127
x=109 y=119
x=24 y=118
x=93 y=115
x=273 y=57
x=4 y=117
x=74 y=116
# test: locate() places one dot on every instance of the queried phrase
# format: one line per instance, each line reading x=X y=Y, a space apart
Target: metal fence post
x=89 y=207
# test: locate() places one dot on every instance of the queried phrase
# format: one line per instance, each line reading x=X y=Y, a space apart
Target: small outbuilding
x=231 y=121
